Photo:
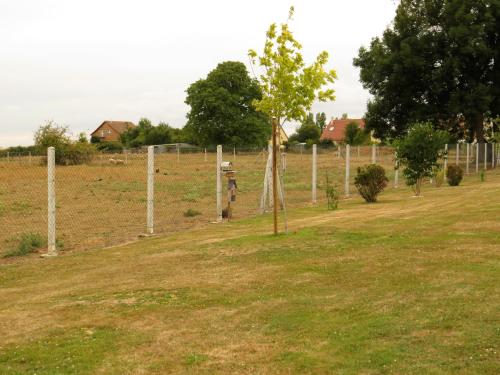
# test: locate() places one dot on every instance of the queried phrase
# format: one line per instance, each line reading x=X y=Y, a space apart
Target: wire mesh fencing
x=105 y=200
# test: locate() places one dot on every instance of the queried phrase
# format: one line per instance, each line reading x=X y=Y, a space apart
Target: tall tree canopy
x=289 y=86
x=221 y=108
x=438 y=62
x=145 y=133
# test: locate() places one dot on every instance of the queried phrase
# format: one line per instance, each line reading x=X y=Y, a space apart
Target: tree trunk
x=476 y=124
x=418 y=187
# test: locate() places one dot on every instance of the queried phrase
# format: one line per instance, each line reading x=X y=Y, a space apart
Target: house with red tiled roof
x=110 y=131
x=335 y=130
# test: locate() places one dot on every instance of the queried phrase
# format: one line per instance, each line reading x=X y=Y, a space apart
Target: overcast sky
x=81 y=62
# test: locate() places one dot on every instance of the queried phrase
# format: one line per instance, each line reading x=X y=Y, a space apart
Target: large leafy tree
x=221 y=108
x=438 y=62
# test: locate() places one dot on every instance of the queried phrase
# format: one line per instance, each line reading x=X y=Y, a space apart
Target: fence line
x=116 y=197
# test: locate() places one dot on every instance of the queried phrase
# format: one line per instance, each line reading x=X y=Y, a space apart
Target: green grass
x=75 y=351
x=27 y=243
x=404 y=286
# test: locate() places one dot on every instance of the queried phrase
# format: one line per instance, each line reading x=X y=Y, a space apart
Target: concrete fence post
x=445 y=158
x=477 y=157
x=219 y=183
x=151 y=183
x=492 y=155
x=457 y=156
x=314 y=172
x=468 y=157
x=178 y=153
x=205 y=154
x=51 y=203
x=374 y=154
x=485 y=156
x=347 y=168
x=234 y=153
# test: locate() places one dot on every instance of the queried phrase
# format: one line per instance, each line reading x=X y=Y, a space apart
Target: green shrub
x=191 y=213
x=419 y=152
x=68 y=152
x=27 y=243
x=332 y=195
x=454 y=175
x=439 y=177
x=109 y=146
x=75 y=153
x=370 y=181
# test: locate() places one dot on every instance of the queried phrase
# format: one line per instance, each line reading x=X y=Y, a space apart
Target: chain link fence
x=104 y=201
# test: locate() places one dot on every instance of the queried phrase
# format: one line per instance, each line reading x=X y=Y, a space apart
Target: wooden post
x=467 y=161
x=51 y=203
x=374 y=154
x=219 y=183
x=314 y=173
x=396 y=171
x=457 y=156
x=275 y=177
x=347 y=169
x=151 y=182
x=358 y=152
x=178 y=153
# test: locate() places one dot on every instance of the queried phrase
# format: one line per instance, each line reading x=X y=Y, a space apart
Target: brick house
x=110 y=131
x=335 y=130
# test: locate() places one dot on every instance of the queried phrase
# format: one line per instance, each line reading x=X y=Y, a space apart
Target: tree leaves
x=221 y=108
x=289 y=87
x=438 y=62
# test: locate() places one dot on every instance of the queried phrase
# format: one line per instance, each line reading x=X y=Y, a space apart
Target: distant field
x=101 y=204
x=404 y=286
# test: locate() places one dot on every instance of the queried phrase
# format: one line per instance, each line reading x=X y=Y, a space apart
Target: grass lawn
x=404 y=286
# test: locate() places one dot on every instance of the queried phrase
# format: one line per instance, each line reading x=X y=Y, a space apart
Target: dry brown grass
x=103 y=204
